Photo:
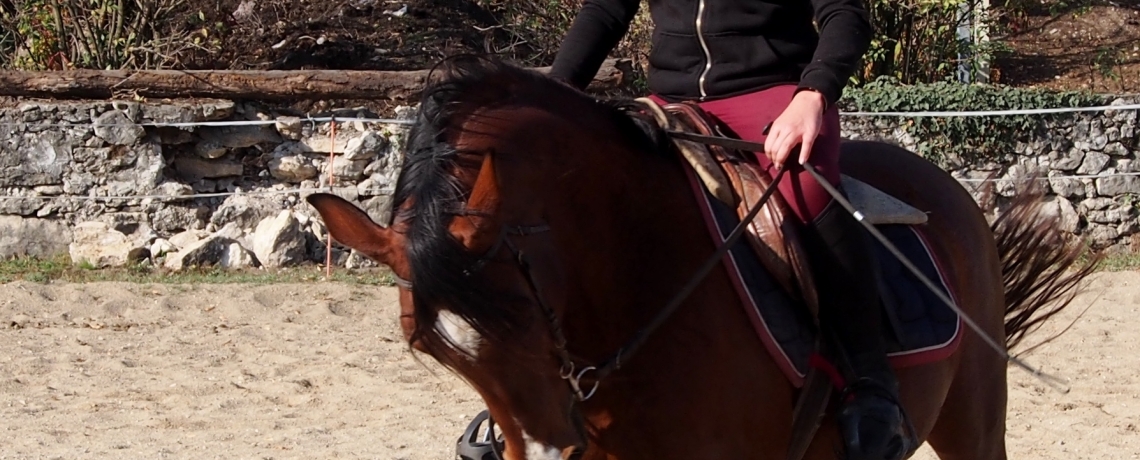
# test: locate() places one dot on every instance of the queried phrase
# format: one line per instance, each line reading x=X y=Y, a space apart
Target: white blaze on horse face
x=460 y=333
x=538 y=451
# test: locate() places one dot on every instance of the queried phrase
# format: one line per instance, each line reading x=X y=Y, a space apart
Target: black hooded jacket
x=710 y=49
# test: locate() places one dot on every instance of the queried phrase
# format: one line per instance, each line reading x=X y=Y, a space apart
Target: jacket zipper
x=705 y=47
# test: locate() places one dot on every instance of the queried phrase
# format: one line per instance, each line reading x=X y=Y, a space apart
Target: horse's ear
x=351 y=226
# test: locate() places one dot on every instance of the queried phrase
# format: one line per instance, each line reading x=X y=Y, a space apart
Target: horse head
x=495 y=190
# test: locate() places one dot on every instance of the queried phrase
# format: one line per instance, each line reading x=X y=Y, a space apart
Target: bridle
x=568 y=370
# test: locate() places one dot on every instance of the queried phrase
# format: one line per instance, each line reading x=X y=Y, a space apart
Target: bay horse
x=504 y=162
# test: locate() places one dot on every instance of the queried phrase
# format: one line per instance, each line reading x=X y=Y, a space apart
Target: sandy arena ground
x=128 y=371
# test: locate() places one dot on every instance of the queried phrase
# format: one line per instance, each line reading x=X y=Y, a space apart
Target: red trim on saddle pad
x=938 y=352
x=781 y=358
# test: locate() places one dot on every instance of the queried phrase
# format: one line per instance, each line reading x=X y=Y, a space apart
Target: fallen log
x=270 y=85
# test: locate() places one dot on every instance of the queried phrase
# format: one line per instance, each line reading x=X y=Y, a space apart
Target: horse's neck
x=647 y=242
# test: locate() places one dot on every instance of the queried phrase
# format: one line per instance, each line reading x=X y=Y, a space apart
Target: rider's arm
x=844 y=35
x=595 y=31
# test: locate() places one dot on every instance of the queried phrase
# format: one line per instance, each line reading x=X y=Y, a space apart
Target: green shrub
x=98 y=34
x=968 y=139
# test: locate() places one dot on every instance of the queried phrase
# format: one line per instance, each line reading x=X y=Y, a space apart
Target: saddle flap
x=738 y=181
x=771 y=234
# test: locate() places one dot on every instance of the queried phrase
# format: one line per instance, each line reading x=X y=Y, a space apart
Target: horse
x=537 y=228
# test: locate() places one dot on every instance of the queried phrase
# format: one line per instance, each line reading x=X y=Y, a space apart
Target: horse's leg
x=971 y=425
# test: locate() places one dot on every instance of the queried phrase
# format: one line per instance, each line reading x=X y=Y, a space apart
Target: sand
x=320 y=370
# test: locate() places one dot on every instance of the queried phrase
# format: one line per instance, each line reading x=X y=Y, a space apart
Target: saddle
x=735 y=182
x=738 y=182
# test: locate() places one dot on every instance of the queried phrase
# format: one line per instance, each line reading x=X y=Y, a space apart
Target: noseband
x=567 y=370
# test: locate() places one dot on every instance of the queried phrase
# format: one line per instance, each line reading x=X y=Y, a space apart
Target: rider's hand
x=799 y=124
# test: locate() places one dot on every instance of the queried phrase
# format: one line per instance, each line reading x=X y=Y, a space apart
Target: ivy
x=957 y=141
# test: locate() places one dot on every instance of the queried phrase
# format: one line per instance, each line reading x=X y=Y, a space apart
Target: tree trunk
x=271 y=85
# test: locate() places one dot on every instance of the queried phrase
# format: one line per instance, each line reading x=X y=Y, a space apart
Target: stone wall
x=98 y=181
x=1086 y=159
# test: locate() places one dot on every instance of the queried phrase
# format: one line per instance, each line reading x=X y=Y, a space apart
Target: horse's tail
x=1041 y=264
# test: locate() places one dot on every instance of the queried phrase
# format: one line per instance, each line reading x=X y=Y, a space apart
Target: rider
x=772 y=75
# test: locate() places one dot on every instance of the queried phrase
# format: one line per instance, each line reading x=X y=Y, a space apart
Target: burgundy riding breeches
x=747 y=115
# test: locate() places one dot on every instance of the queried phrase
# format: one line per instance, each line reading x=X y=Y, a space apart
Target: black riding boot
x=871 y=418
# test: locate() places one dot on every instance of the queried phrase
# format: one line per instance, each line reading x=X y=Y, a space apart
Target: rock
x=1127 y=228
x=292 y=168
x=369 y=145
x=115 y=128
x=1118 y=185
x=25 y=236
x=278 y=241
x=1066 y=186
x=235 y=232
x=1070 y=221
x=379 y=209
x=1095 y=204
x=1101 y=234
x=210 y=149
x=348 y=193
x=194 y=111
x=358 y=260
x=1094 y=163
x=174 y=190
x=1116 y=149
x=289 y=127
x=1113 y=215
x=1059 y=142
x=192 y=169
x=202 y=253
x=161 y=247
x=24 y=204
x=138 y=168
x=48 y=190
x=1113 y=134
x=407 y=113
x=35 y=160
x=205 y=186
x=345 y=170
x=237 y=256
x=379 y=166
x=322 y=144
x=187 y=238
x=175 y=217
x=371 y=187
x=1098 y=142
x=1081 y=128
x=127 y=222
x=246 y=211
x=98 y=245
x=1066 y=161
x=1125 y=165
x=1015 y=175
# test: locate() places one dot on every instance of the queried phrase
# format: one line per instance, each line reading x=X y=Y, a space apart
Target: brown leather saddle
x=738 y=181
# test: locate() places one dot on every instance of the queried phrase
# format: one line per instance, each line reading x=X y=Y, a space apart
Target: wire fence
x=399 y=122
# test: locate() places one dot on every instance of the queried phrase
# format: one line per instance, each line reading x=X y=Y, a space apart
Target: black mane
x=438 y=262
